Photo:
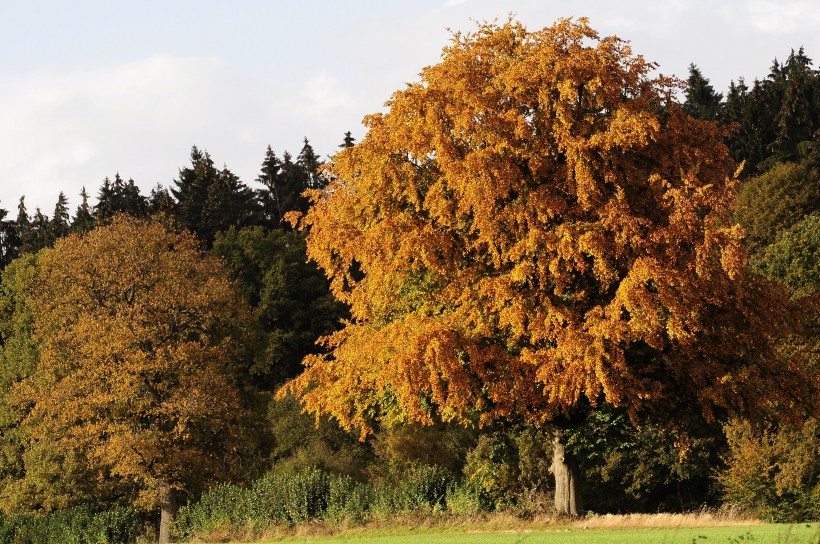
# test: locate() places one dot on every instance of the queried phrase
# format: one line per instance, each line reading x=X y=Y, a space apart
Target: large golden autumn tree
x=137 y=332
x=533 y=229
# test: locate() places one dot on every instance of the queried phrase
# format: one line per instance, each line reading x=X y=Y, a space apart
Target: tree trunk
x=167 y=512
x=567 y=482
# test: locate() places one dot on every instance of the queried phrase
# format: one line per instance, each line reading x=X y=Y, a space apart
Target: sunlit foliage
x=536 y=226
x=136 y=331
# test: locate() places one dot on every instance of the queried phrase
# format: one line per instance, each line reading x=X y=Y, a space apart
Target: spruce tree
x=797 y=118
x=349 y=141
x=41 y=233
x=105 y=208
x=702 y=102
x=160 y=201
x=308 y=160
x=133 y=203
x=230 y=203
x=284 y=182
x=269 y=196
x=9 y=240
x=24 y=230
x=295 y=180
x=84 y=216
x=61 y=219
x=735 y=114
x=191 y=191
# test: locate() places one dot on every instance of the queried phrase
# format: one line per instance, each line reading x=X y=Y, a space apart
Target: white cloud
x=55 y=129
x=773 y=16
x=62 y=131
x=323 y=94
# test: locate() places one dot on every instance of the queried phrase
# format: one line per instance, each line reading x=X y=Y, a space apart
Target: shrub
x=775 y=471
x=347 y=501
x=78 y=525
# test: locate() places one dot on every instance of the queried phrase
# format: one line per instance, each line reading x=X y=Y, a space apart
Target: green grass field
x=758 y=534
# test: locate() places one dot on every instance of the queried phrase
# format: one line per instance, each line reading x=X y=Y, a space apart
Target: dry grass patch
x=728 y=517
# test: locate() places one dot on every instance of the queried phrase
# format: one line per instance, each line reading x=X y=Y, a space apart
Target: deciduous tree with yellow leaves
x=533 y=229
x=137 y=331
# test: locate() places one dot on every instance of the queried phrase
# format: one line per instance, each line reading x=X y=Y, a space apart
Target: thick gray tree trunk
x=567 y=482
x=167 y=512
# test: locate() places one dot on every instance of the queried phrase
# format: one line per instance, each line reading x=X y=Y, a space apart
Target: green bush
x=291 y=498
x=464 y=499
x=507 y=464
x=347 y=500
x=223 y=506
x=305 y=495
x=775 y=471
x=71 y=526
x=288 y=498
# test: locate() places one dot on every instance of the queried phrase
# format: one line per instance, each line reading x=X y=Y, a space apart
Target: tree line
x=203 y=199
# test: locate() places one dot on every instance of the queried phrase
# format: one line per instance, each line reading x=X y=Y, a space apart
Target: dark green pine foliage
x=60 y=223
x=119 y=197
x=799 y=115
x=702 y=102
x=349 y=141
x=291 y=296
x=269 y=196
x=764 y=101
x=230 y=203
x=23 y=224
x=41 y=235
x=128 y=198
x=735 y=113
x=104 y=208
x=294 y=182
x=9 y=240
x=160 y=201
x=308 y=160
x=782 y=116
x=751 y=113
x=191 y=191
x=284 y=183
x=84 y=216
x=209 y=201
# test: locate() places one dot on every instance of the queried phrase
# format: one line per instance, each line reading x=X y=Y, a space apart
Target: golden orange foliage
x=134 y=326
x=534 y=224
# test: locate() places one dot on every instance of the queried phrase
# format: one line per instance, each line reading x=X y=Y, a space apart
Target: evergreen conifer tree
x=84 y=216
x=191 y=191
x=269 y=196
x=23 y=222
x=349 y=141
x=9 y=240
x=160 y=201
x=61 y=219
x=230 y=203
x=702 y=102
x=295 y=180
x=308 y=160
x=798 y=116
x=130 y=200
x=105 y=208
x=41 y=233
x=284 y=182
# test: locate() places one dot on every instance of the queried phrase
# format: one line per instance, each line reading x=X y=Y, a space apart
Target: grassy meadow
x=757 y=534
x=695 y=528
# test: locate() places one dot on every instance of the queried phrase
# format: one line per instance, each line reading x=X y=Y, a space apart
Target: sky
x=91 y=88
